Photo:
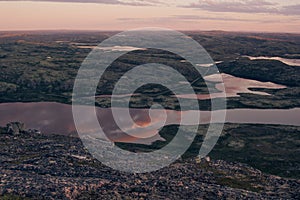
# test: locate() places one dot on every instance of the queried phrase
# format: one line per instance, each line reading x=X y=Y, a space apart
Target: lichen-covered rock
x=58 y=167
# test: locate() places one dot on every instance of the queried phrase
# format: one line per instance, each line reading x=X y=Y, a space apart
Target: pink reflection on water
x=49 y=118
x=57 y=118
x=234 y=86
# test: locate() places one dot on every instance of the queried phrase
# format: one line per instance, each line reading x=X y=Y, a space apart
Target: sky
x=227 y=15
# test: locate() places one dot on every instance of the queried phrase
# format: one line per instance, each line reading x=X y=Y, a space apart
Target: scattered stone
x=58 y=167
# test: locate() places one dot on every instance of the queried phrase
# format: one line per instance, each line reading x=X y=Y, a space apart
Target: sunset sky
x=228 y=15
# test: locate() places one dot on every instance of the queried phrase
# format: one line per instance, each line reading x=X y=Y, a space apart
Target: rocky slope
x=36 y=166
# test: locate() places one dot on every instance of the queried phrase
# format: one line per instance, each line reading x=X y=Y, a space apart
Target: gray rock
x=15 y=128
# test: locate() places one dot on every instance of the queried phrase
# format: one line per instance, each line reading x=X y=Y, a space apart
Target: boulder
x=15 y=128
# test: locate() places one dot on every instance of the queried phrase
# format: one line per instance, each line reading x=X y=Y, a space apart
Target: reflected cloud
x=57 y=118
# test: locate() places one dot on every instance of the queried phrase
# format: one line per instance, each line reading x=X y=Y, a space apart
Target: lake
x=50 y=118
x=233 y=86
x=292 y=62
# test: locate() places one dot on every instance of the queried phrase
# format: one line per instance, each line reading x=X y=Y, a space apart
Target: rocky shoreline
x=36 y=166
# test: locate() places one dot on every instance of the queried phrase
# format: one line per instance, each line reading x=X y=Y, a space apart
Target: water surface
x=56 y=118
x=234 y=86
x=291 y=62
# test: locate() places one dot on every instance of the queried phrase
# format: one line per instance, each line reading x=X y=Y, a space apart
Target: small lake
x=114 y=48
x=234 y=86
x=292 y=62
x=50 y=117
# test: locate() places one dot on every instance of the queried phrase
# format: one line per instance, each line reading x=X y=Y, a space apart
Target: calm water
x=234 y=86
x=57 y=118
x=114 y=48
x=292 y=62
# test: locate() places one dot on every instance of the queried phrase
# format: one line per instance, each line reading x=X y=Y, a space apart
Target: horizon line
x=99 y=30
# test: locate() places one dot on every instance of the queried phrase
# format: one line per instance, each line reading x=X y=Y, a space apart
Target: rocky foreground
x=35 y=166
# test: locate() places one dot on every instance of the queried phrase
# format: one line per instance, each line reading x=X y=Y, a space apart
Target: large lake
x=57 y=118
x=50 y=117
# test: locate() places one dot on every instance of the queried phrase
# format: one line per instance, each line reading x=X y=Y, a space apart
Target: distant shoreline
x=116 y=31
